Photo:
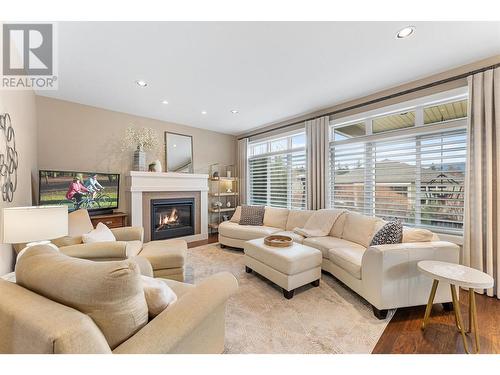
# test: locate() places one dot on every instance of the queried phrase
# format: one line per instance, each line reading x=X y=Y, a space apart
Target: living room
x=191 y=187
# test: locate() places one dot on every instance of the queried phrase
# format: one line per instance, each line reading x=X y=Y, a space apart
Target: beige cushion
x=79 y=223
x=297 y=219
x=297 y=238
x=245 y=232
x=100 y=234
x=111 y=293
x=348 y=258
x=158 y=295
x=320 y=223
x=276 y=217
x=178 y=287
x=359 y=228
x=324 y=244
x=338 y=226
x=417 y=235
x=290 y=261
x=165 y=254
x=133 y=248
x=237 y=215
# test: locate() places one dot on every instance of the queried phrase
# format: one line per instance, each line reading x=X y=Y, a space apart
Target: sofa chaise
x=384 y=275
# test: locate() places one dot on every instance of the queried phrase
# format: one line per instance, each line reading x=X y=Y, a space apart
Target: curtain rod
x=387 y=97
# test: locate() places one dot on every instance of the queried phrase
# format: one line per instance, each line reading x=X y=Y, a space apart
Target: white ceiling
x=267 y=70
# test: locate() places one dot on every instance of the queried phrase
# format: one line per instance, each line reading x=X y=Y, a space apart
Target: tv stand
x=111 y=220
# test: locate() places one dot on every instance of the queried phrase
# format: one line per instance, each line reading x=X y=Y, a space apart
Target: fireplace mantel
x=138 y=183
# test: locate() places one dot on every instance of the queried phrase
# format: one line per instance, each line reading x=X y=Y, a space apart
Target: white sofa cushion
x=297 y=238
x=348 y=258
x=297 y=219
x=237 y=215
x=100 y=234
x=158 y=295
x=338 y=226
x=276 y=217
x=326 y=243
x=359 y=228
x=245 y=232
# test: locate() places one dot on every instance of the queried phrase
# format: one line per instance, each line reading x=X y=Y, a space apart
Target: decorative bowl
x=278 y=241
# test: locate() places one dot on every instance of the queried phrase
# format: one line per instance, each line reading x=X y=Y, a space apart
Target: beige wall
x=21 y=107
x=78 y=137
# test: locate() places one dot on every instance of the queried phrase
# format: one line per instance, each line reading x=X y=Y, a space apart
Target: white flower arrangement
x=142 y=139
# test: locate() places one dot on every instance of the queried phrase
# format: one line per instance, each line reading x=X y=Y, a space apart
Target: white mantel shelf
x=138 y=183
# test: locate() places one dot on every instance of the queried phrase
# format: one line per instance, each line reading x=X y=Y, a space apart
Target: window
x=277 y=176
x=414 y=174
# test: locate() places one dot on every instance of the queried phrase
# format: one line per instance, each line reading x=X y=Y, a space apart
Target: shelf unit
x=223 y=190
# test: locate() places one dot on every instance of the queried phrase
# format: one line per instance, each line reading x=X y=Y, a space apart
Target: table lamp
x=34 y=225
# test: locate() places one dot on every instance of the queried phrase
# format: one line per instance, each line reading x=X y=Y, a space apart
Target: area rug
x=327 y=319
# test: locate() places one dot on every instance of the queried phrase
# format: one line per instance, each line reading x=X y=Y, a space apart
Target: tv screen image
x=93 y=191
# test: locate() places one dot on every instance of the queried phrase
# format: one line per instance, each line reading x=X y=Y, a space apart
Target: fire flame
x=169 y=219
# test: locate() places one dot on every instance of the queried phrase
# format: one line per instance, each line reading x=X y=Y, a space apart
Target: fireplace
x=172 y=218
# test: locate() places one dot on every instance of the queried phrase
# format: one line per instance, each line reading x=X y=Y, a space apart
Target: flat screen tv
x=97 y=192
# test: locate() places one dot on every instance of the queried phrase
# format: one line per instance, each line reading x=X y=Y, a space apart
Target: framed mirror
x=178 y=153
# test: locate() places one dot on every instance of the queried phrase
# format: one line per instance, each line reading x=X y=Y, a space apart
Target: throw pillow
x=252 y=215
x=100 y=234
x=236 y=216
x=319 y=223
x=390 y=233
x=110 y=293
x=158 y=295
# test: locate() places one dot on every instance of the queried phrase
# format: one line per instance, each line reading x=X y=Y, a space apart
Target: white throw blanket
x=320 y=223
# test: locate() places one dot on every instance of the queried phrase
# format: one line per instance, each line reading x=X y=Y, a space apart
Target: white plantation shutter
x=418 y=179
x=278 y=179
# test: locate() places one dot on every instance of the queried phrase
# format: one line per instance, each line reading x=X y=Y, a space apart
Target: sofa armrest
x=391 y=278
x=97 y=250
x=128 y=233
x=193 y=324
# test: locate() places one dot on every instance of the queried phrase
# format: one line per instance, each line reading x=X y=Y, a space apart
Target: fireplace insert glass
x=172 y=218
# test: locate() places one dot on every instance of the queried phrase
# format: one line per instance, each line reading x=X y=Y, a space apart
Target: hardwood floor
x=403 y=333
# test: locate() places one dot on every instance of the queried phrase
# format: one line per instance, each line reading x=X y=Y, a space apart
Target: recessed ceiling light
x=234 y=112
x=141 y=83
x=203 y=112
x=164 y=102
x=405 y=32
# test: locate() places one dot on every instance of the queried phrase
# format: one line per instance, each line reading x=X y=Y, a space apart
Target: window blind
x=418 y=179
x=278 y=179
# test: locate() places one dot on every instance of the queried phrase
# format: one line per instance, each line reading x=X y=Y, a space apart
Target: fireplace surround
x=172 y=218
x=142 y=187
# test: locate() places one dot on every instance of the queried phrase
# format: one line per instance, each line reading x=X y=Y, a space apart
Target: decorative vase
x=157 y=166
x=140 y=160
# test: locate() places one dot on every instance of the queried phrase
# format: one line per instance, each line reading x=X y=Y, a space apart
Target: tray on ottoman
x=289 y=267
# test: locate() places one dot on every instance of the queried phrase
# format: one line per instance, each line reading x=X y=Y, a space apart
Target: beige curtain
x=482 y=202
x=242 y=169
x=317 y=162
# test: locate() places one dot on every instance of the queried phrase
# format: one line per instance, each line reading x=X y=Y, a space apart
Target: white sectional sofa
x=385 y=275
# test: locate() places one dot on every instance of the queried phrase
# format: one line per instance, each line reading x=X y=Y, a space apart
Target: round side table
x=461 y=276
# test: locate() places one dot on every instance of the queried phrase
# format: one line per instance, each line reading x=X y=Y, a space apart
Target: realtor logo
x=28 y=56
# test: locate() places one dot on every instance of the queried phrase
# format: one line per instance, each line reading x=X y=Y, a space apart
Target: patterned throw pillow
x=252 y=215
x=390 y=233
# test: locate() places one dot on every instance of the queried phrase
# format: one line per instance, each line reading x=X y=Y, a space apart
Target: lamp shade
x=37 y=223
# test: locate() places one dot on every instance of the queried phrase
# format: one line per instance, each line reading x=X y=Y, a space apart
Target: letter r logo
x=27 y=49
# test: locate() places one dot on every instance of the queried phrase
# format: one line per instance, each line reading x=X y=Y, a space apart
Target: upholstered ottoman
x=288 y=267
x=166 y=257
